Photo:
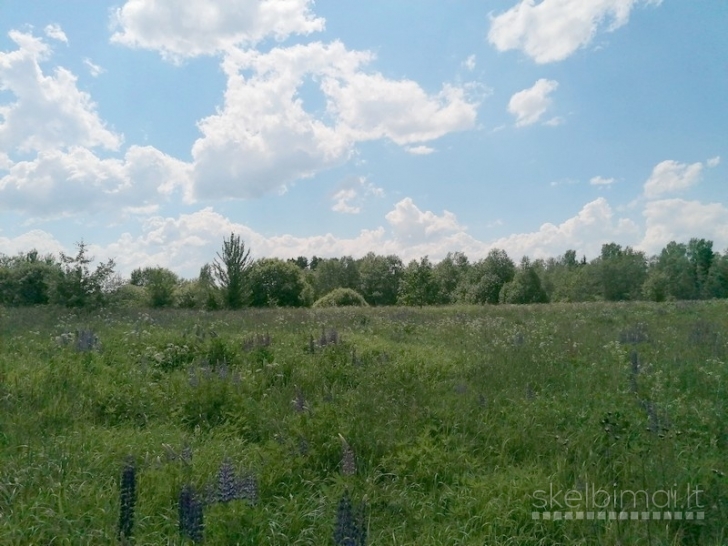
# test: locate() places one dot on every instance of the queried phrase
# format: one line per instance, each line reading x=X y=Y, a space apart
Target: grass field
x=445 y=426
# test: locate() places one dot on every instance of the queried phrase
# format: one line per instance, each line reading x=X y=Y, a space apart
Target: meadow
x=436 y=426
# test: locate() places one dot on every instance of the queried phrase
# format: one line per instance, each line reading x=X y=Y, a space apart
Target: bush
x=129 y=296
x=340 y=297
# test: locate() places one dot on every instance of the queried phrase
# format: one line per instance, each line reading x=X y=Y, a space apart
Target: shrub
x=128 y=295
x=340 y=297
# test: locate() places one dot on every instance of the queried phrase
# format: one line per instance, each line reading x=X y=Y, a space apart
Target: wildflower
x=128 y=501
x=191 y=522
x=350 y=529
x=348 y=459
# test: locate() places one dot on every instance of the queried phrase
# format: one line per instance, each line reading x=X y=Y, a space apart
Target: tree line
x=232 y=280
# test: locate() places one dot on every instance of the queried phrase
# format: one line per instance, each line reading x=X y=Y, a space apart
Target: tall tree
x=159 y=283
x=525 y=286
x=675 y=264
x=335 y=273
x=700 y=254
x=79 y=286
x=622 y=272
x=449 y=275
x=379 y=278
x=487 y=277
x=418 y=286
x=276 y=283
x=231 y=272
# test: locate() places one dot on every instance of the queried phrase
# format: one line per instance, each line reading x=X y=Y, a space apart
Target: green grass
x=457 y=416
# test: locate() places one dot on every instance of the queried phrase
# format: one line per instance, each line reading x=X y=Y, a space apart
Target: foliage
x=79 y=286
x=488 y=276
x=341 y=297
x=622 y=272
x=27 y=279
x=159 y=282
x=418 y=286
x=230 y=271
x=335 y=273
x=525 y=286
x=275 y=283
x=380 y=277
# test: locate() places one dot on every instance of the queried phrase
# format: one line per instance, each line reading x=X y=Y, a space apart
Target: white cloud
x=411 y=224
x=594 y=225
x=37 y=239
x=263 y=139
x=552 y=30
x=55 y=32
x=50 y=112
x=186 y=242
x=420 y=150
x=530 y=104
x=342 y=199
x=58 y=183
x=671 y=176
x=180 y=28
x=679 y=220
x=350 y=196
x=713 y=161
x=94 y=69
x=469 y=63
x=601 y=181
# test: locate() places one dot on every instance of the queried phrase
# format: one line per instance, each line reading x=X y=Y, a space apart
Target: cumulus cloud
x=60 y=182
x=530 y=104
x=552 y=30
x=678 y=220
x=413 y=225
x=713 y=161
x=179 y=28
x=37 y=239
x=186 y=242
x=263 y=139
x=594 y=225
x=469 y=63
x=49 y=112
x=670 y=177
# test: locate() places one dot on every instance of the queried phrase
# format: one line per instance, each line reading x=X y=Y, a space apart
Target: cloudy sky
x=151 y=129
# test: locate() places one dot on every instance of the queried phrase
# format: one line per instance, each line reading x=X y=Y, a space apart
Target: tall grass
x=401 y=426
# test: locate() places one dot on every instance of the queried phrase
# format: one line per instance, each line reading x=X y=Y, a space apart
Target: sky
x=152 y=129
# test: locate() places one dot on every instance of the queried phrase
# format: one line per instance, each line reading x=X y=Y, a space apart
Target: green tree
x=418 y=286
x=656 y=286
x=716 y=282
x=525 y=286
x=700 y=255
x=449 y=275
x=79 y=286
x=275 y=283
x=622 y=272
x=230 y=270
x=27 y=279
x=675 y=264
x=487 y=277
x=334 y=273
x=159 y=283
x=379 y=278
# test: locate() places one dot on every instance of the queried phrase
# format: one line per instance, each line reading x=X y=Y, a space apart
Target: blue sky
x=151 y=129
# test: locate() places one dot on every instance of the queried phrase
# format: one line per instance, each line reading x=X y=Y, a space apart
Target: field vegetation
x=360 y=425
